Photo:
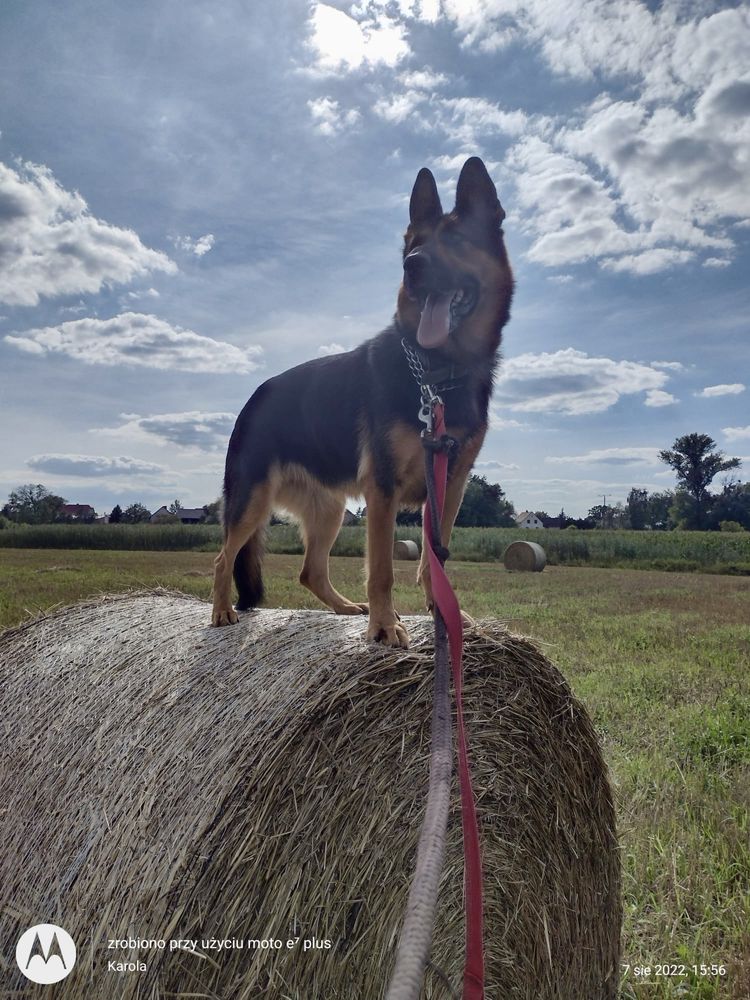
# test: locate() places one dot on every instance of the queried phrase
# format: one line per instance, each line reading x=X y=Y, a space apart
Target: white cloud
x=199 y=247
x=51 y=245
x=643 y=184
x=188 y=429
x=571 y=213
x=398 y=107
x=429 y=10
x=707 y=52
x=491 y=464
x=500 y=423
x=675 y=366
x=343 y=43
x=140 y=340
x=657 y=397
x=422 y=80
x=609 y=456
x=649 y=261
x=736 y=433
x=670 y=51
x=326 y=350
x=464 y=119
x=717 y=262
x=80 y=307
x=679 y=176
x=576 y=215
x=92 y=465
x=329 y=118
x=571 y=382
x=726 y=389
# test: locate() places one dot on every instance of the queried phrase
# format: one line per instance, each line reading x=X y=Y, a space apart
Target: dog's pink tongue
x=435 y=323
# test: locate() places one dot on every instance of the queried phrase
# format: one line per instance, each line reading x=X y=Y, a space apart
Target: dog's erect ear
x=476 y=195
x=424 y=206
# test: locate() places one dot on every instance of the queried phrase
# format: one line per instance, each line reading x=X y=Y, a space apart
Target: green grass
x=680 y=551
x=661 y=661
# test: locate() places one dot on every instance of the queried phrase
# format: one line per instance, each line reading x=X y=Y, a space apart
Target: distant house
x=187 y=515
x=528 y=520
x=350 y=518
x=192 y=515
x=78 y=511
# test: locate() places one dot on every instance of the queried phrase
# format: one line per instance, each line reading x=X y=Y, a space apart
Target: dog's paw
x=224 y=616
x=393 y=634
x=352 y=608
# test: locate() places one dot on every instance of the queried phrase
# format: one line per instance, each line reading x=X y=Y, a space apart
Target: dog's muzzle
x=444 y=300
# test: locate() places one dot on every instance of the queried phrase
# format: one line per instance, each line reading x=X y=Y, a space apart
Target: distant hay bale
x=405 y=548
x=265 y=783
x=526 y=556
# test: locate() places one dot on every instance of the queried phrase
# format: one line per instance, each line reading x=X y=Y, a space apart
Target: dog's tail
x=248 y=571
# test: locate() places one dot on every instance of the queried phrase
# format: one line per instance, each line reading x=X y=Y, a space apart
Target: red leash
x=448 y=607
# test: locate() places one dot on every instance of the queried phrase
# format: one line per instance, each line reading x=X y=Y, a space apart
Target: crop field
x=660 y=659
x=684 y=551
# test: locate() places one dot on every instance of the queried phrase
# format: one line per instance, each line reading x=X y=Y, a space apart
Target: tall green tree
x=484 y=506
x=696 y=463
x=658 y=507
x=637 y=508
x=732 y=504
x=136 y=513
x=600 y=515
x=33 y=504
x=212 y=512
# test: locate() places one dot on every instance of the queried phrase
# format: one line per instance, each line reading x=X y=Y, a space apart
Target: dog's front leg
x=384 y=625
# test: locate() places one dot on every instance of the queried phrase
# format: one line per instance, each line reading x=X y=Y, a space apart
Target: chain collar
x=443 y=379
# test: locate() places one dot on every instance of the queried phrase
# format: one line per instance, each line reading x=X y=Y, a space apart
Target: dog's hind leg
x=242 y=553
x=320 y=523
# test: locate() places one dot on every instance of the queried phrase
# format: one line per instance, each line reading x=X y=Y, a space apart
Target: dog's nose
x=417 y=266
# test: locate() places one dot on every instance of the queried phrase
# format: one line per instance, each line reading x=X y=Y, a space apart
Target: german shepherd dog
x=347 y=425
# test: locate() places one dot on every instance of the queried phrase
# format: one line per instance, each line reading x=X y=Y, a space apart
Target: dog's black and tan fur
x=347 y=425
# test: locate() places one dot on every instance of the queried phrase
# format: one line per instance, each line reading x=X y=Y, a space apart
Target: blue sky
x=194 y=197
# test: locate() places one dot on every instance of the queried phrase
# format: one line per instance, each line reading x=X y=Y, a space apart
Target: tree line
x=696 y=462
x=692 y=506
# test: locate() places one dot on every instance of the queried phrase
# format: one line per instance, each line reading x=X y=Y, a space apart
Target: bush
x=730 y=526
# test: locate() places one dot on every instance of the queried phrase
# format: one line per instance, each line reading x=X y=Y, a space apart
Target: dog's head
x=457 y=287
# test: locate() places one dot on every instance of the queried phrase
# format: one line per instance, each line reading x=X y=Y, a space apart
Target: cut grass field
x=660 y=660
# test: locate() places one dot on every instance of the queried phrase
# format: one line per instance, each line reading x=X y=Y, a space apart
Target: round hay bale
x=264 y=785
x=405 y=548
x=526 y=556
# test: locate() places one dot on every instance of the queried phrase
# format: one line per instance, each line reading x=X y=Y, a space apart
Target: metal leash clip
x=430 y=399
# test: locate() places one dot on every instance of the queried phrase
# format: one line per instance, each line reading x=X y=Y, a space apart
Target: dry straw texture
x=525 y=556
x=167 y=780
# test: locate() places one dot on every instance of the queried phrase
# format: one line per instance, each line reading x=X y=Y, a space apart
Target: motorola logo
x=45 y=953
